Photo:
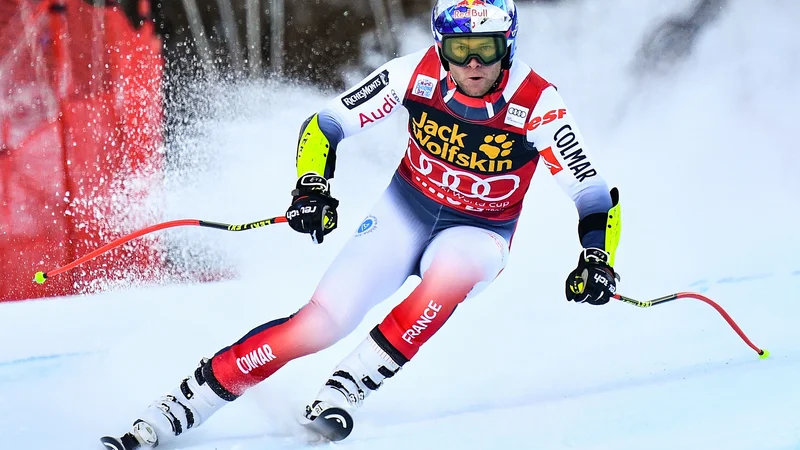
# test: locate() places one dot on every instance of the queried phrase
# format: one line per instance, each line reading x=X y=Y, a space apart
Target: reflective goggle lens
x=459 y=50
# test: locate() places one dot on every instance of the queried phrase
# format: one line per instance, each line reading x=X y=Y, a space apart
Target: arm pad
x=610 y=222
x=314 y=150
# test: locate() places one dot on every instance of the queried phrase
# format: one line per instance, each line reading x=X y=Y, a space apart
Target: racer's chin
x=475 y=79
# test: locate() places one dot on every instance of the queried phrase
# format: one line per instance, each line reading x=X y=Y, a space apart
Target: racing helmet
x=482 y=29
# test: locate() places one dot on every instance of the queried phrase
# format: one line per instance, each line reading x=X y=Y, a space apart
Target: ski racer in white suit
x=479 y=122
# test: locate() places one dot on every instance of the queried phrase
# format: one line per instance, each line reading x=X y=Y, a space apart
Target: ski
x=332 y=423
x=142 y=434
x=126 y=442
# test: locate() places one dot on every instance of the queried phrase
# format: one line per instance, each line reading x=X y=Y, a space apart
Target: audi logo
x=469 y=185
x=517 y=112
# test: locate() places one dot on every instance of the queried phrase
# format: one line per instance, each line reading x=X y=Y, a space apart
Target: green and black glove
x=313 y=210
x=593 y=281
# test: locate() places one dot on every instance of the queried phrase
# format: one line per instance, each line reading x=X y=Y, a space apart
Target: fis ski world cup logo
x=423 y=87
x=367 y=226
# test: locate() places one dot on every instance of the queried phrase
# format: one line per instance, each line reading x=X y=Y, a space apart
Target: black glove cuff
x=311 y=183
x=595 y=255
x=599 y=257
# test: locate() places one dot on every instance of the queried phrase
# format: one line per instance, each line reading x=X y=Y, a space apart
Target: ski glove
x=593 y=281
x=313 y=210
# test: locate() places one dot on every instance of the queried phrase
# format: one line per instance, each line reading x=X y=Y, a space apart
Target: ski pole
x=41 y=277
x=763 y=353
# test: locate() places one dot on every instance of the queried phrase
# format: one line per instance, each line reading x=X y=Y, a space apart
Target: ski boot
x=362 y=372
x=186 y=407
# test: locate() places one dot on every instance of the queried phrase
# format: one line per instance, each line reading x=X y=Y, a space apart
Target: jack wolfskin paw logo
x=496 y=145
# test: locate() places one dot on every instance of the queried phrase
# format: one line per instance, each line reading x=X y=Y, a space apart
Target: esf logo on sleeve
x=548 y=117
x=367 y=226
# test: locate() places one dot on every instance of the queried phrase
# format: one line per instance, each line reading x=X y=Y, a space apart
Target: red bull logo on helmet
x=470 y=3
x=470 y=13
x=470 y=8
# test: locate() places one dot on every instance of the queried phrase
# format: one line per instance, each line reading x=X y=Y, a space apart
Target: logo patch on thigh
x=367 y=226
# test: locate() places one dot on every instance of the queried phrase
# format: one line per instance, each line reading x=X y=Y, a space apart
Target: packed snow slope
x=704 y=155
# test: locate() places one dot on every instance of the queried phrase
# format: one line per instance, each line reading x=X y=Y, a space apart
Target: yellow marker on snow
x=764 y=355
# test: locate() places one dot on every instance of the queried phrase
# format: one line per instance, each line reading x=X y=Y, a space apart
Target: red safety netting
x=80 y=142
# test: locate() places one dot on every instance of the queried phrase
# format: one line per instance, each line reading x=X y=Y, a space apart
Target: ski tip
x=335 y=424
x=111 y=443
x=126 y=442
x=764 y=354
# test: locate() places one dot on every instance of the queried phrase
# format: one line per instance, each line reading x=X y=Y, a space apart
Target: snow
x=705 y=162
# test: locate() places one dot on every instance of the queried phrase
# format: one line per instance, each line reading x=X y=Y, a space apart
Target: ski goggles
x=487 y=48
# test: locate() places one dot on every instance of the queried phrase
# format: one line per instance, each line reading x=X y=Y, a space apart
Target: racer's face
x=475 y=79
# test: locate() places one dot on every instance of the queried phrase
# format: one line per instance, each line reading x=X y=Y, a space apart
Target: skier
x=479 y=122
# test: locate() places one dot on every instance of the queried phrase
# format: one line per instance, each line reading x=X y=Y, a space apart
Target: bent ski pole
x=763 y=353
x=41 y=277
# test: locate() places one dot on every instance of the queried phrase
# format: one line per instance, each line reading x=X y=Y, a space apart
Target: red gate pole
x=61 y=82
